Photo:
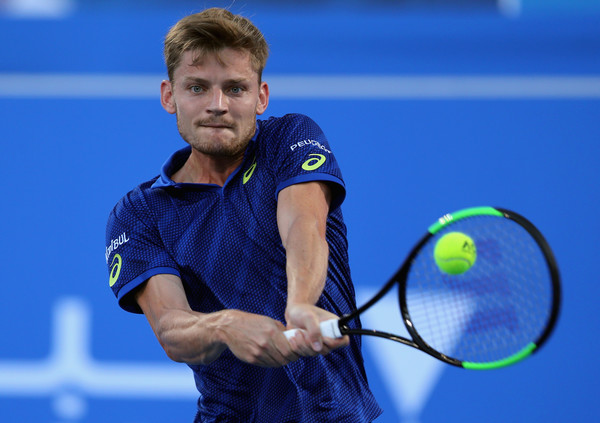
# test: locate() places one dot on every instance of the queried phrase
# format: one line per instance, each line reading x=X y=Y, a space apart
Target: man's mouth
x=215 y=125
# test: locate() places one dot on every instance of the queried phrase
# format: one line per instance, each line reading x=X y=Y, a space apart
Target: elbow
x=201 y=359
x=170 y=344
x=187 y=340
x=201 y=356
x=173 y=353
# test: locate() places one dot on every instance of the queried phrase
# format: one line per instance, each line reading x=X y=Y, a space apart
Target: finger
x=311 y=347
x=274 y=358
x=334 y=343
x=289 y=348
x=300 y=344
x=284 y=345
x=275 y=352
x=313 y=334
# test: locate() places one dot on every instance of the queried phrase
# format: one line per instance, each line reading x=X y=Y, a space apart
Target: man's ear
x=166 y=96
x=263 y=98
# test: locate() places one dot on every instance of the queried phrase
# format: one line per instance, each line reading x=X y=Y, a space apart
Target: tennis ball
x=455 y=253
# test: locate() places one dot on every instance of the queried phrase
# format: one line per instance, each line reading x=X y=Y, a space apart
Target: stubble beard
x=222 y=148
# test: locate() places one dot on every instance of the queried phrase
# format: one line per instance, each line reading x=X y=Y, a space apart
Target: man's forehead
x=228 y=60
x=225 y=57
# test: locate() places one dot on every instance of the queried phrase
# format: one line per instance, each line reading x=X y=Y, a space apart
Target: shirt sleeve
x=304 y=155
x=134 y=250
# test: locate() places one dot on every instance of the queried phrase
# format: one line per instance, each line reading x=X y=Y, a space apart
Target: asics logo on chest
x=249 y=172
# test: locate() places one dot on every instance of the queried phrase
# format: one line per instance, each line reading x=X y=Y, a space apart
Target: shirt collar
x=178 y=159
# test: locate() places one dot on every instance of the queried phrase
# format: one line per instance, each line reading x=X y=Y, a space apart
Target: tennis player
x=239 y=238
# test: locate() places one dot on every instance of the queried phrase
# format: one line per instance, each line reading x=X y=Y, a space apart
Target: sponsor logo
x=115 y=269
x=249 y=172
x=314 y=163
x=114 y=244
x=304 y=143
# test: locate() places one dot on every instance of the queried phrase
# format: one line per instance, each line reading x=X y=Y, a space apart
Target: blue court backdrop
x=428 y=111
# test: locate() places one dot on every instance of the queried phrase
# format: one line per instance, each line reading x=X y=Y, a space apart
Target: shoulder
x=277 y=135
x=292 y=122
x=136 y=201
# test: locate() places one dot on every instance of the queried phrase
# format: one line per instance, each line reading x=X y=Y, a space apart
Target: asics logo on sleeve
x=314 y=163
x=115 y=269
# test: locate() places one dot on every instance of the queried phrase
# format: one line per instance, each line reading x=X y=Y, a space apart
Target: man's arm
x=198 y=338
x=302 y=211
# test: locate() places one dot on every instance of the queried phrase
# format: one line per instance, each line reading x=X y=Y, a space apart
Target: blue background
x=407 y=159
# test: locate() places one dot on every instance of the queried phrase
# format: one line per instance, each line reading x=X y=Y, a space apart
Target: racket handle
x=329 y=329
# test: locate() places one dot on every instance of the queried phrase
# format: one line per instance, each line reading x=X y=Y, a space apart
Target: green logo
x=314 y=163
x=115 y=269
x=249 y=172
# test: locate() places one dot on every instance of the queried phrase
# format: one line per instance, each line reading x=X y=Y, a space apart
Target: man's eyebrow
x=193 y=79
x=236 y=80
x=198 y=80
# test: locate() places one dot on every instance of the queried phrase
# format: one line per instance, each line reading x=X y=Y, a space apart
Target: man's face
x=216 y=101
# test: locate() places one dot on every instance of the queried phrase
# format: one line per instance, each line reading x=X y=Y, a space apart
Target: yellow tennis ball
x=455 y=253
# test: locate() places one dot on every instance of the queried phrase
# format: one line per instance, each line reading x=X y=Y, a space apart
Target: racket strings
x=493 y=310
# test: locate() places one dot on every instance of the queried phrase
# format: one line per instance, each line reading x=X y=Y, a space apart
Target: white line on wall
x=327 y=87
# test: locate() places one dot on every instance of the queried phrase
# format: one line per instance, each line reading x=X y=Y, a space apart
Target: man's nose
x=218 y=102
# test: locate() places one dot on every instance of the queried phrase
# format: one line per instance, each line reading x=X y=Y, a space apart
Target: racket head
x=499 y=311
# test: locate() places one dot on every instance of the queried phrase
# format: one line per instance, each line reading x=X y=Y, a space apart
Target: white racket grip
x=329 y=329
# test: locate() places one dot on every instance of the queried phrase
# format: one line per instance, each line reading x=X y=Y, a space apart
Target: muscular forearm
x=191 y=337
x=196 y=338
x=302 y=219
x=307 y=261
x=200 y=338
x=185 y=335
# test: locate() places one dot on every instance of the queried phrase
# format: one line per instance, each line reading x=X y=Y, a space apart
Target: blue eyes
x=196 y=89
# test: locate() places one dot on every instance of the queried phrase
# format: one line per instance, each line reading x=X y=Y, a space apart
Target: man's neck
x=207 y=169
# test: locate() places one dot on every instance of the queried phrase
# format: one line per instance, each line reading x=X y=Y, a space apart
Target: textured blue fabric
x=223 y=242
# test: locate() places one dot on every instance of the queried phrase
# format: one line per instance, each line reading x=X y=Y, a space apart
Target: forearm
x=307 y=260
x=185 y=335
x=302 y=213
x=307 y=263
x=197 y=338
x=191 y=337
x=302 y=219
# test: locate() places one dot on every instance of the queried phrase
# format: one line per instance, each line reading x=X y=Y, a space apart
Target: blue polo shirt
x=224 y=244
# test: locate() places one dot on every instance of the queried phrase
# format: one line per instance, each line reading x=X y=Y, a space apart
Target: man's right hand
x=255 y=339
x=191 y=337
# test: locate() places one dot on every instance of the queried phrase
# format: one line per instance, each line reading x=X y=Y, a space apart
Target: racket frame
x=399 y=279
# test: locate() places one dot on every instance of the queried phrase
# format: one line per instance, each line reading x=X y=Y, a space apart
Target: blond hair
x=211 y=31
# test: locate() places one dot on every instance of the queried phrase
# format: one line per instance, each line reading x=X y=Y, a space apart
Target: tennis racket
x=500 y=311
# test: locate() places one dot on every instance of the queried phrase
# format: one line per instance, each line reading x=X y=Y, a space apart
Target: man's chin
x=220 y=148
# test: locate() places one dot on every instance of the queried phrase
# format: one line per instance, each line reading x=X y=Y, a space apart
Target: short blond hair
x=211 y=31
